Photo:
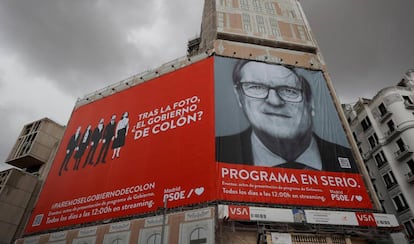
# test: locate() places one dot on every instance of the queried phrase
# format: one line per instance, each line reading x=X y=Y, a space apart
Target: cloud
x=52 y=52
x=25 y=99
x=365 y=43
x=78 y=44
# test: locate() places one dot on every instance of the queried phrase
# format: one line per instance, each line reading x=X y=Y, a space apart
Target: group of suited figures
x=102 y=134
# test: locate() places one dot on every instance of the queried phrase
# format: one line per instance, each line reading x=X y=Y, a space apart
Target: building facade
x=16 y=190
x=383 y=129
x=155 y=174
x=36 y=146
x=32 y=156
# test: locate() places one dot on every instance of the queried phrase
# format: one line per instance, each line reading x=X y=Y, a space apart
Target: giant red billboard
x=122 y=154
x=218 y=129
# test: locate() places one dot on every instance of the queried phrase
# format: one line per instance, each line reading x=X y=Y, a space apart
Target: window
x=33 y=169
x=391 y=125
x=382 y=207
x=3 y=177
x=229 y=3
x=154 y=239
x=373 y=140
x=407 y=100
x=409 y=228
x=117 y=240
x=270 y=8
x=274 y=27
x=382 y=109
x=389 y=180
x=402 y=149
x=291 y=13
x=260 y=24
x=36 y=125
x=355 y=137
x=256 y=5
x=220 y=20
x=366 y=123
x=302 y=34
x=400 y=203
x=26 y=144
x=27 y=129
x=380 y=159
x=410 y=164
x=246 y=23
x=198 y=236
x=244 y=4
x=401 y=146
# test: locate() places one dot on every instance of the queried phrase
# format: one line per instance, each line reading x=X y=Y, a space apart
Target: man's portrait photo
x=277 y=116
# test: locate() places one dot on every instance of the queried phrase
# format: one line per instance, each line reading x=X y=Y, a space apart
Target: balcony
x=381 y=164
x=375 y=147
x=390 y=134
x=369 y=130
x=403 y=152
x=385 y=116
x=409 y=105
x=410 y=177
x=391 y=185
x=402 y=209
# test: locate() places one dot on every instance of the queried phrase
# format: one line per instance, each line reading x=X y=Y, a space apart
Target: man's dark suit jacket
x=238 y=149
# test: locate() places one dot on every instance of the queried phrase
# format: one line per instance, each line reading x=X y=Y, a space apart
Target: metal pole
x=163 y=220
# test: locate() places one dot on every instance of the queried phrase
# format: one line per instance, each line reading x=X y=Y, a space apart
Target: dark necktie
x=293 y=165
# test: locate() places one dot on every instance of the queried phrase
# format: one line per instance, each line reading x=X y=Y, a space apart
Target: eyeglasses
x=260 y=91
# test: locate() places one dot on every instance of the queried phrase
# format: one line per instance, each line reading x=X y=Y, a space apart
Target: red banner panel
x=292 y=187
x=123 y=154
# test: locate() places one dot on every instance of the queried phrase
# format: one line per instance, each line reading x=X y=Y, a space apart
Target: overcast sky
x=55 y=51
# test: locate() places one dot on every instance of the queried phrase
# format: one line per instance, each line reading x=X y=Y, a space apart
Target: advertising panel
x=248 y=213
x=385 y=220
x=285 y=143
x=123 y=154
x=331 y=217
x=310 y=216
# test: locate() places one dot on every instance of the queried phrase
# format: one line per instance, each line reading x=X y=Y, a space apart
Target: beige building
x=36 y=146
x=31 y=156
